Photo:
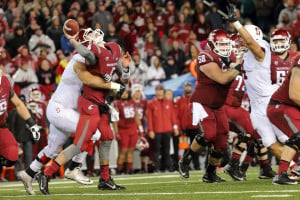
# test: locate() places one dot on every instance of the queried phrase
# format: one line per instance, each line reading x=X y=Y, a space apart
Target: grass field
x=160 y=186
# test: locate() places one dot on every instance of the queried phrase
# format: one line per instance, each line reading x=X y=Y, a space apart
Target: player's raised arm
x=247 y=32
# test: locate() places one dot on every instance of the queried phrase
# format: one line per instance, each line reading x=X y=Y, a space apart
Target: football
x=71 y=27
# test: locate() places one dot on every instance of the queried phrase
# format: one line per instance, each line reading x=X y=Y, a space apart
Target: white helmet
x=142 y=144
x=98 y=36
x=254 y=31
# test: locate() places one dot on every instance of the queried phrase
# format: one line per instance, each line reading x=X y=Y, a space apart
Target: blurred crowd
x=162 y=36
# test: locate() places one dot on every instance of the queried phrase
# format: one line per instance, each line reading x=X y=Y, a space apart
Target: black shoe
x=183 y=170
x=212 y=178
x=243 y=169
x=43 y=182
x=109 y=185
x=233 y=170
x=283 y=179
x=266 y=172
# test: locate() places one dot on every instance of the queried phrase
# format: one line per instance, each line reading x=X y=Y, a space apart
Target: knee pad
x=104 y=150
x=294 y=141
x=201 y=141
x=242 y=139
x=5 y=162
x=260 y=148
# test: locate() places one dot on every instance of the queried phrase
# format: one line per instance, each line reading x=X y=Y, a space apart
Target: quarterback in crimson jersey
x=208 y=98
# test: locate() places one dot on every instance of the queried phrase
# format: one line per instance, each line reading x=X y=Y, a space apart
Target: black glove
x=121 y=91
x=231 y=10
x=226 y=61
x=33 y=128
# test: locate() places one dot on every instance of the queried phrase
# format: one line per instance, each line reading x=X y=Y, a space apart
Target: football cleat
x=243 y=169
x=183 y=170
x=296 y=170
x=77 y=175
x=27 y=181
x=109 y=185
x=283 y=179
x=233 y=170
x=266 y=172
x=43 y=182
x=212 y=178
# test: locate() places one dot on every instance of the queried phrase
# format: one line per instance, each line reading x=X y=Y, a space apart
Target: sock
x=143 y=166
x=120 y=167
x=30 y=172
x=292 y=163
x=73 y=165
x=283 y=166
x=52 y=169
x=248 y=159
x=264 y=162
x=211 y=169
x=129 y=166
x=236 y=156
x=104 y=172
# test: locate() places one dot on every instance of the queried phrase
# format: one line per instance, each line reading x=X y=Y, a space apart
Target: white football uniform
x=62 y=114
x=260 y=89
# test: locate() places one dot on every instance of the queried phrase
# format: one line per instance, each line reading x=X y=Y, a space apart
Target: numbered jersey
x=208 y=92
x=280 y=68
x=141 y=108
x=6 y=92
x=126 y=114
x=236 y=92
x=108 y=57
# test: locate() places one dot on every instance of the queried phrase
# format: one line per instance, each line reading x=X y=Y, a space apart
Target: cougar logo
x=90 y=107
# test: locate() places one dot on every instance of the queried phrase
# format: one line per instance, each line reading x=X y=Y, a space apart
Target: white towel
x=198 y=113
x=114 y=114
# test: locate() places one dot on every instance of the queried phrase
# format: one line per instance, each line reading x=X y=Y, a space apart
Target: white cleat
x=27 y=181
x=77 y=175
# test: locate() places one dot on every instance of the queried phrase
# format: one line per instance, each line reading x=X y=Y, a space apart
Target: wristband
x=30 y=122
x=237 y=25
x=141 y=129
x=126 y=75
x=175 y=127
x=115 y=86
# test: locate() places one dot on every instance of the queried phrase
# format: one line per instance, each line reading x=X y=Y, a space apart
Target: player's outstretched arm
x=254 y=47
x=93 y=81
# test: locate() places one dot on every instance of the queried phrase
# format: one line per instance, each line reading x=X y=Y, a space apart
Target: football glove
x=231 y=11
x=33 y=128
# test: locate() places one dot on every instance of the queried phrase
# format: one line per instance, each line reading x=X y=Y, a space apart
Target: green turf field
x=160 y=186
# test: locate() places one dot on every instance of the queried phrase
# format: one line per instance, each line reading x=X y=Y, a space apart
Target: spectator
x=156 y=72
x=18 y=40
x=170 y=68
x=81 y=21
x=103 y=17
x=6 y=63
x=45 y=73
x=170 y=15
x=159 y=21
x=111 y=35
x=59 y=12
x=201 y=28
x=151 y=30
x=39 y=40
x=179 y=57
x=89 y=13
x=24 y=57
x=213 y=18
x=31 y=27
x=3 y=23
x=290 y=11
x=264 y=13
x=248 y=9
x=139 y=69
x=45 y=18
x=161 y=124
x=149 y=47
x=55 y=32
x=183 y=28
x=138 y=17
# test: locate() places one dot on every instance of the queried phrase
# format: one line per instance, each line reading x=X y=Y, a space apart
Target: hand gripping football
x=71 y=27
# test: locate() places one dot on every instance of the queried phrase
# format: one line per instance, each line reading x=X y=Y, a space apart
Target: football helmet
x=254 y=31
x=98 y=36
x=142 y=144
x=35 y=94
x=84 y=35
x=33 y=106
x=280 y=41
x=219 y=42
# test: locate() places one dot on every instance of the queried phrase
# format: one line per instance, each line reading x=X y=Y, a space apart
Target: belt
x=274 y=102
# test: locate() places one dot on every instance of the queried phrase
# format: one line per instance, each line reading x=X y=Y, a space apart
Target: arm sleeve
x=88 y=55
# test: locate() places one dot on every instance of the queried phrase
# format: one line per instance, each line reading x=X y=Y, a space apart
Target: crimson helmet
x=84 y=35
x=219 y=42
x=280 y=41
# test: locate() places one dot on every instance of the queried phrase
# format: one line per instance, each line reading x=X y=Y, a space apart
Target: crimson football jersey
x=127 y=114
x=207 y=91
x=6 y=92
x=141 y=108
x=108 y=58
x=236 y=92
x=280 y=68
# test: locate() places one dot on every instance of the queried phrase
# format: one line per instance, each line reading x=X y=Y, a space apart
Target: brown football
x=71 y=26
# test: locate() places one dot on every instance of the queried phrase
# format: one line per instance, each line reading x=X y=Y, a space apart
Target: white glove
x=96 y=136
x=35 y=131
